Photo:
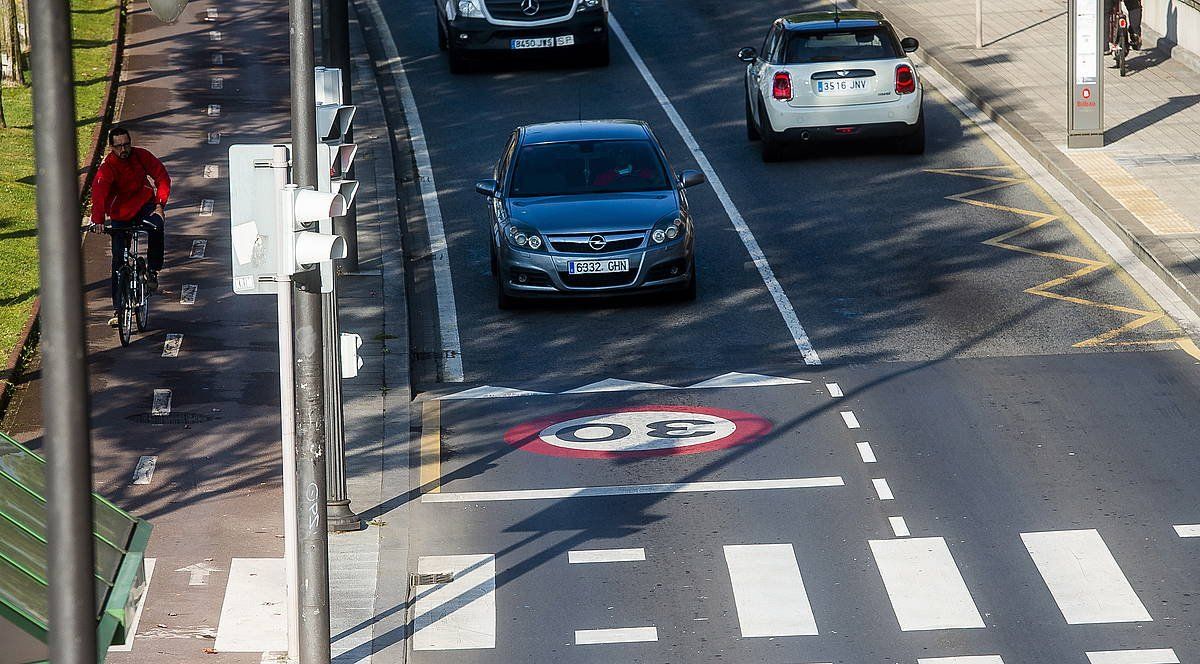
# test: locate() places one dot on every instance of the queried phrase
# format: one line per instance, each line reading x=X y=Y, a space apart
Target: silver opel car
x=589 y=208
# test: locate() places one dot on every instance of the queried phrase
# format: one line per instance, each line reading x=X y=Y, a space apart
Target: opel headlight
x=667 y=230
x=521 y=237
x=469 y=9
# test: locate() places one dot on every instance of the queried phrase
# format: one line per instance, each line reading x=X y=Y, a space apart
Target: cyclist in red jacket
x=122 y=193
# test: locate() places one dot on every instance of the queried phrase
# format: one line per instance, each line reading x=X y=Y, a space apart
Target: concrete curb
x=29 y=334
x=1122 y=222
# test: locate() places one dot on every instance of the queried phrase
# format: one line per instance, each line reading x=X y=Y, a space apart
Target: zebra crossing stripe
x=459 y=614
x=1084 y=578
x=768 y=591
x=1188 y=530
x=964 y=659
x=1157 y=656
x=585 y=637
x=252 y=614
x=924 y=584
x=580 y=556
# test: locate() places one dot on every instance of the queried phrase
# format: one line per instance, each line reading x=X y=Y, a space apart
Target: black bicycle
x=1117 y=35
x=133 y=294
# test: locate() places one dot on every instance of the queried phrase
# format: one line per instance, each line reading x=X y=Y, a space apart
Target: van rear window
x=839 y=46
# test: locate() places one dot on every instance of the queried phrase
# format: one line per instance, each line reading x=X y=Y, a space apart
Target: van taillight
x=906 y=83
x=781 y=86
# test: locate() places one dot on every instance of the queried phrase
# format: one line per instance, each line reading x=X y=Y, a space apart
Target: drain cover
x=170 y=418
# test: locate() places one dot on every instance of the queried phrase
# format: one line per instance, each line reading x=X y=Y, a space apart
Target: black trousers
x=122 y=233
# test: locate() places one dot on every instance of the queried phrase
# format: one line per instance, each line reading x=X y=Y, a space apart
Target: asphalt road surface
x=983 y=457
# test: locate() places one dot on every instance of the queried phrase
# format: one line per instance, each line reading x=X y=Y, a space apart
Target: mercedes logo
x=530 y=7
x=596 y=242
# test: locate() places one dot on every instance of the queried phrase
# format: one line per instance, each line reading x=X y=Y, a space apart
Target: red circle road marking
x=528 y=436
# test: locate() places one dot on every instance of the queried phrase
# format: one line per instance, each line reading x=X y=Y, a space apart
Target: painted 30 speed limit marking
x=639 y=431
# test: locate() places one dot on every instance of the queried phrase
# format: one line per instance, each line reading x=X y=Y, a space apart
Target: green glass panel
x=22 y=549
x=22 y=466
x=18 y=505
x=20 y=590
x=111 y=524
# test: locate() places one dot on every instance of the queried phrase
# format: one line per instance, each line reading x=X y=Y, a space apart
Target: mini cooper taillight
x=781 y=86
x=906 y=82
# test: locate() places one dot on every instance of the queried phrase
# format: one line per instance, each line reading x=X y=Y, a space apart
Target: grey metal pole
x=313 y=555
x=340 y=518
x=69 y=541
x=978 y=23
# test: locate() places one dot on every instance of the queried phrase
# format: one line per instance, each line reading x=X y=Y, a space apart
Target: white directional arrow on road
x=199 y=572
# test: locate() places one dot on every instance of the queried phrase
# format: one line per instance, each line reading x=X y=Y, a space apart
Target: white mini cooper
x=833 y=75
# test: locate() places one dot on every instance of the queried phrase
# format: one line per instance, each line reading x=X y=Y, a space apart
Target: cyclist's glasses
x=121 y=147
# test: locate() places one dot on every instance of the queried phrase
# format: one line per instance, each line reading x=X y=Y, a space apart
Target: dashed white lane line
x=629 y=490
x=211 y=14
x=162 y=402
x=212 y=171
x=461 y=614
x=768 y=591
x=865 y=451
x=214 y=138
x=1188 y=530
x=214 y=110
x=252 y=615
x=144 y=472
x=835 y=390
x=1084 y=578
x=882 y=489
x=218 y=59
x=924 y=585
x=188 y=294
x=198 y=248
x=850 y=420
x=443 y=282
x=206 y=207
x=962 y=659
x=899 y=527
x=581 y=556
x=215 y=35
x=1156 y=656
x=217 y=83
x=799 y=336
x=585 y=637
x=172 y=345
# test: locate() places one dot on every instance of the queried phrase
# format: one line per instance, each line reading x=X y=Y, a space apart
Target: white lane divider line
x=1156 y=656
x=580 y=556
x=865 y=451
x=252 y=615
x=214 y=110
x=172 y=344
x=188 y=294
x=899 y=527
x=217 y=83
x=211 y=14
x=144 y=472
x=206 y=207
x=963 y=659
x=214 y=138
x=443 y=282
x=461 y=614
x=584 y=637
x=198 y=248
x=799 y=336
x=835 y=390
x=924 y=584
x=629 y=490
x=850 y=420
x=1188 y=530
x=882 y=489
x=218 y=59
x=162 y=402
x=212 y=171
x=1084 y=578
x=768 y=591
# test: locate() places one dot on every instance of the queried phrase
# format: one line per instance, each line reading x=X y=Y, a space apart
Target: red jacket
x=122 y=186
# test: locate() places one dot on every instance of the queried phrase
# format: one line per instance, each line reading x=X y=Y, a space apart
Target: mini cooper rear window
x=839 y=46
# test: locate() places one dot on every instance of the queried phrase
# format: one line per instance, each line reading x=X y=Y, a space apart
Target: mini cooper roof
x=827 y=20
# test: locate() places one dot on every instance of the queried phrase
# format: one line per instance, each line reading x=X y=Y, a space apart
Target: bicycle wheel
x=1122 y=50
x=125 y=309
x=142 y=310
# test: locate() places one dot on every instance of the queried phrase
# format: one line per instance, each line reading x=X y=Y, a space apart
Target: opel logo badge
x=530 y=7
x=596 y=242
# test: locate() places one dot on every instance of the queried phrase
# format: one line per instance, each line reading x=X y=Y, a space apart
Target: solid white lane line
x=188 y=294
x=629 y=490
x=214 y=110
x=585 y=637
x=850 y=420
x=835 y=390
x=924 y=584
x=212 y=171
x=1188 y=530
x=452 y=366
x=963 y=659
x=252 y=615
x=768 y=591
x=461 y=614
x=1156 y=656
x=580 y=556
x=144 y=471
x=206 y=207
x=214 y=138
x=865 y=451
x=899 y=528
x=882 y=489
x=1084 y=578
x=172 y=345
x=799 y=336
x=162 y=402
x=198 y=248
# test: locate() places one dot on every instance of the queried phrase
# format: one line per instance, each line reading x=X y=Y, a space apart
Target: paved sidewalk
x=1143 y=183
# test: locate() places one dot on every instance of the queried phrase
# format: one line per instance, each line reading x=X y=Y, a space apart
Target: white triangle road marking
x=737 y=379
x=489 y=392
x=618 y=385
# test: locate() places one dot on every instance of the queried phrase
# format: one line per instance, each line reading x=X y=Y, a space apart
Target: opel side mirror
x=487 y=187
x=691 y=178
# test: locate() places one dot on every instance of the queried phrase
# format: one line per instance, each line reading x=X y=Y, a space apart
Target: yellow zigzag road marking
x=1090 y=265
